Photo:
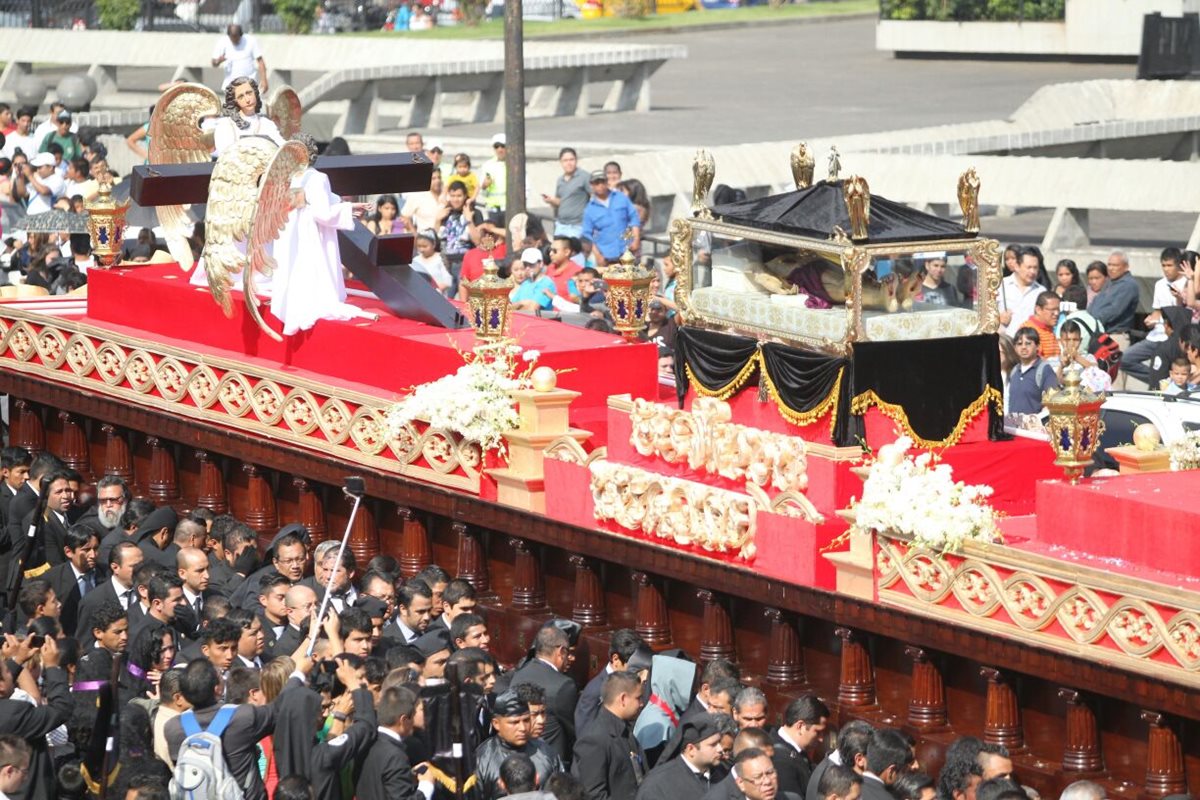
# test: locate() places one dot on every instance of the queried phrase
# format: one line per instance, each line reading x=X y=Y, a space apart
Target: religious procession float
x=830 y=499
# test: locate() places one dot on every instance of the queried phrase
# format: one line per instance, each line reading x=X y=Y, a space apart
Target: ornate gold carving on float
x=704 y=169
x=968 y=200
x=685 y=512
x=681 y=256
x=1144 y=627
x=351 y=425
x=707 y=441
x=858 y=203
x=803 y=165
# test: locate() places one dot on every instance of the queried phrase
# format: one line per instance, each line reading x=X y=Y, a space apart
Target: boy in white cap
x=535 y=290
x=45 y=184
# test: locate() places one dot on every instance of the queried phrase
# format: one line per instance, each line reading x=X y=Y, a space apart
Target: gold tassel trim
x=729 y=389
x=862 y=402
x=93 y=785
x=448 y=782
x=30 y=574
x=826 y=406
x=788 y=413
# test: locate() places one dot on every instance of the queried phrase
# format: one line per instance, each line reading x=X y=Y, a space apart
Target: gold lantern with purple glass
x=1075 y=425
x=487 y=299
x=106 y=224
x=628 y=295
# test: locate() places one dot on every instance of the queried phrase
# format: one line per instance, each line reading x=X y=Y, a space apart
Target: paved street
x=806 y=80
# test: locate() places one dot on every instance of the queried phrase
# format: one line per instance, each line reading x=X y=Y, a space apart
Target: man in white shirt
x=45 y=184
x=22 y=138
x=1019 y=292
x=1138 y=360
x=240 y=57
x=50 y=125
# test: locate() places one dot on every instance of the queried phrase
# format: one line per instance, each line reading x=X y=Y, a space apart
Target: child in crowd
x=1030 y=377
x=428 y=260
x=462 y=172
x=1177 y=379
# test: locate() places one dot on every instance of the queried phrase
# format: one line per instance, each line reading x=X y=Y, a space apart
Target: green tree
x=297 y=15
x=118 y=15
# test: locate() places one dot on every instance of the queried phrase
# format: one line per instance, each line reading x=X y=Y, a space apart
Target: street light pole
x=514 y=108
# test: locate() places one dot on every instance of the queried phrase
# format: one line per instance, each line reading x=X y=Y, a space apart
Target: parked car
x=1171 y=415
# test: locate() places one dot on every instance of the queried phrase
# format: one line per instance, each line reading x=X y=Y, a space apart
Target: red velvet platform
x=390 y=355
x=1148 y=522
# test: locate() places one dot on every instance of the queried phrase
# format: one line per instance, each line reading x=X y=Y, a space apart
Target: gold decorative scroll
x=1034 y=599
x=681 y=256
x=685 y=512
x=707 y=441
x=348 y=425
x=986 y=255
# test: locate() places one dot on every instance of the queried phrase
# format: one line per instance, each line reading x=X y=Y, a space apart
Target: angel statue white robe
x=308 y=283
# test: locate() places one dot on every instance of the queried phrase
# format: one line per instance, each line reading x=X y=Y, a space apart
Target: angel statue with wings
x=243 y=116
x=262 y=195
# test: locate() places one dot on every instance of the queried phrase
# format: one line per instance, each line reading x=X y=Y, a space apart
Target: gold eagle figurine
x=968 y=200
x=248 y=201
x=704 y=169
x=804 y=165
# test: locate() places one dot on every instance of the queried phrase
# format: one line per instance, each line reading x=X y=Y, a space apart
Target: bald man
x=192 y=568
x=301 y=601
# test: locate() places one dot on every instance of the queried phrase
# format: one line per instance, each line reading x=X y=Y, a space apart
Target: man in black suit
x=608 y=759
x=717 y=690
x=545 y=670
x=626 y=650
x=851 y=752
x=746 y=739
x=164 y=593
x=804 y=722
x=124 y=560
x=888 y=757
x=33 y=722
x=756 y=777
x=48 y=524
x=192 y=568
x=154 y=536
x=75 y=578
x=275 y=614
x=27 y=496
x=14 y=472
x=841 y=783
x=695 y=770
x=386 y=773
x=240 y=739
x=226 y=537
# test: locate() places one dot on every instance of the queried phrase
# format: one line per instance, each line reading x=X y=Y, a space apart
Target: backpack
x=201 y=772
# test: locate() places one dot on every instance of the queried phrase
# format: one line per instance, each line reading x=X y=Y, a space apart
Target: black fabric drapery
x=932 y=388
x=804 y=384
x=816 y=210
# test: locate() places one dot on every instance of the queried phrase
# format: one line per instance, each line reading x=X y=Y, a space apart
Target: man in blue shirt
x=536 y=290
x=606 y=219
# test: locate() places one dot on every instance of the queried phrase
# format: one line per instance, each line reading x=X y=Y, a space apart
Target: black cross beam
x=380 y=262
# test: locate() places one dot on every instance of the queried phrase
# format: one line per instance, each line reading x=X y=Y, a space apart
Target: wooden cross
x=380 y=262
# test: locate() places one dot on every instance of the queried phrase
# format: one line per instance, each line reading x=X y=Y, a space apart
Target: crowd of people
x=156 y=655
x=1093 y=322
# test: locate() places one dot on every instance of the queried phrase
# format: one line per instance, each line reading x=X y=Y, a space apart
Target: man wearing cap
x=550 y=654
x=63 y=137
x=535 y=291
x=695 y=770
x=511 y=722
x=45 y=184
x=626 y=650
x=154 y=535
x=608 y=759
x=493 y=184
x=609 y=219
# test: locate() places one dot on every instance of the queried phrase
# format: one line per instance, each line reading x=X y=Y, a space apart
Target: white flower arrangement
x=475 y=401
x=919 y=498
x=1185 y=451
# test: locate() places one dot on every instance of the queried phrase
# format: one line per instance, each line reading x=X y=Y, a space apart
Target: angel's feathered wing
x=274 y=207
x=176 y=138
x=285 y=111
x=232 y=203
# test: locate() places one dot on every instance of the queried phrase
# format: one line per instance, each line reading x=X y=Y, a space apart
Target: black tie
x=199 y=605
